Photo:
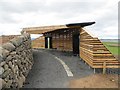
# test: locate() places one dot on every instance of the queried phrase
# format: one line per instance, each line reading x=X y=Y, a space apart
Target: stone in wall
x=9 y=46
x=3 y=53
x=16 y=61
x=17 y=41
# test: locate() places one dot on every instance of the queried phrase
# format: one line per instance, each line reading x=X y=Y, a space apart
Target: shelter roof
x=45 y=29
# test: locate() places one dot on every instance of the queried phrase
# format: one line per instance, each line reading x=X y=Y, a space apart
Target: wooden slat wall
x=62 y=42
x=39 y=42
x=7 y=38
x=93 y=52
x=54 y=37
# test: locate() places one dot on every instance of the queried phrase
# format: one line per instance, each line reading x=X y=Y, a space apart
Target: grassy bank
x=113 y=47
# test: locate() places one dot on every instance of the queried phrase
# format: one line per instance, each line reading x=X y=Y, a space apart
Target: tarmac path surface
x=55 y=69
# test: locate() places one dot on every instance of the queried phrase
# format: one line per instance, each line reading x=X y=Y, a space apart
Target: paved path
x=54 y=69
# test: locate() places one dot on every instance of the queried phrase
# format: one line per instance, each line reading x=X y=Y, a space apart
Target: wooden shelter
x=73 y=37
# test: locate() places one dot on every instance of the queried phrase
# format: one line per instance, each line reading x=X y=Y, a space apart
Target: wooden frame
x=92 y=51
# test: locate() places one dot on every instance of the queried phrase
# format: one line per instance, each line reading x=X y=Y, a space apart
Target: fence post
x=104 y=68
x=94 y=70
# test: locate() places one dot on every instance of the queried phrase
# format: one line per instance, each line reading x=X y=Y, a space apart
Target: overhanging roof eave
x=45 y=29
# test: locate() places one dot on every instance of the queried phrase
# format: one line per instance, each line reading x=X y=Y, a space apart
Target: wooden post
x=57 y=36
x=48 y=43
x=58 y=41
x=94 y=70
x=63 y=42
x=104 y=68
x=55 y=41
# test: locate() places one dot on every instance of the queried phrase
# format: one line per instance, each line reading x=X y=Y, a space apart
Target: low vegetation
x=113 y=47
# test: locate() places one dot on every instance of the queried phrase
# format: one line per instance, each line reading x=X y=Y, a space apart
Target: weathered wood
x=39 y=42
x=92 y=50
x=95 y=53
x=104 y=68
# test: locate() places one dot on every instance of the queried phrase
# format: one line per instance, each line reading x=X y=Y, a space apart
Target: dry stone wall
x=16 y=60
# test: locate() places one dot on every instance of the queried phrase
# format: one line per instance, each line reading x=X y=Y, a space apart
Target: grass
x=113 y=49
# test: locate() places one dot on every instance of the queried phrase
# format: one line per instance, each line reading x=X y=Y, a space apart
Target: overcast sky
x=17 y=14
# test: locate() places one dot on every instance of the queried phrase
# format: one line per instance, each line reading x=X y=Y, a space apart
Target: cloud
x=16 y=14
